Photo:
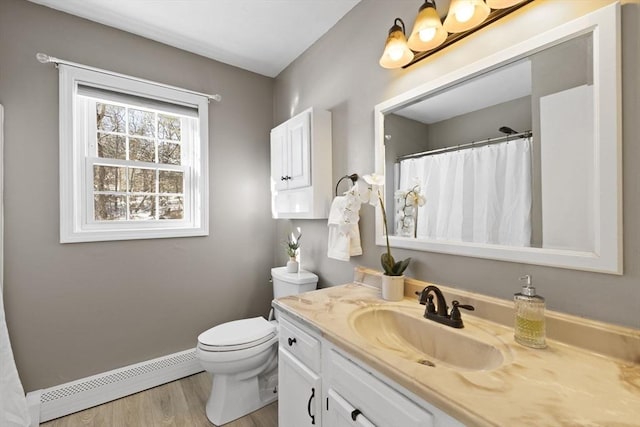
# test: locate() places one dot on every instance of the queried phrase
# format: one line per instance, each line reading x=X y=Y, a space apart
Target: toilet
x=242 y=355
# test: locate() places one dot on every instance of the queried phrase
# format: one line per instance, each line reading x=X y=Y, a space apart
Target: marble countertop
x=562 y=385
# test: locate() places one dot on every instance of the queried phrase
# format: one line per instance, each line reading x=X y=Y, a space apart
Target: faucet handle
x=455 y=312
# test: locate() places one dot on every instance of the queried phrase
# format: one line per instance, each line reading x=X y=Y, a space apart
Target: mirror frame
x=606 y=257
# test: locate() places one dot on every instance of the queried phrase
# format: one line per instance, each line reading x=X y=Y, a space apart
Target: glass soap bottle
x=529 y=316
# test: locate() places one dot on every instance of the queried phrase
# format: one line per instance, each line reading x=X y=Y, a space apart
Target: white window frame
x=76 y=163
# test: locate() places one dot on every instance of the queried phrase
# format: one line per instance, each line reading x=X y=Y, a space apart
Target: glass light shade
x=396 y=52
x=465 y=14
x=502 y=4
x=428 y=32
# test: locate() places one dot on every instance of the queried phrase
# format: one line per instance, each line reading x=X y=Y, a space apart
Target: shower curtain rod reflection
x=481 y=143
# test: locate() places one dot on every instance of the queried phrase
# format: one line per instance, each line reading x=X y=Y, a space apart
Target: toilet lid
x=237 y=334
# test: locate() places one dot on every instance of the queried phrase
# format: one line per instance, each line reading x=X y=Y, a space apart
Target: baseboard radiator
x=87 y=392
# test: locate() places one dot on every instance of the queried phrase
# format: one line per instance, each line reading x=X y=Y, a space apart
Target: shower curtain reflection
x=479 y=195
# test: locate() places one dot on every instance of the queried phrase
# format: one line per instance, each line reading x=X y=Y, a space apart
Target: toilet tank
x=285 y=284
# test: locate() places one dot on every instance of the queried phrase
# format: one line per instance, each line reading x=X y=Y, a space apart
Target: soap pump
x=529 y=316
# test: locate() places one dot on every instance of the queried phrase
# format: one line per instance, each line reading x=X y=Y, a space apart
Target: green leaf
x=388 y=263
x=400 y=267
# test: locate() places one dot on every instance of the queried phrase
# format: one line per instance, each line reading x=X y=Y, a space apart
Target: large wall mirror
x=517 y=157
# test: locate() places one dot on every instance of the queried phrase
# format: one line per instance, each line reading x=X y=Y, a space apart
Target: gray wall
x=341 y=73
x=79 y=309
x=481 y=124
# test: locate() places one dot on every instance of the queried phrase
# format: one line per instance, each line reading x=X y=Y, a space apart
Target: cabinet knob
x=283 y=178
x=291 y=341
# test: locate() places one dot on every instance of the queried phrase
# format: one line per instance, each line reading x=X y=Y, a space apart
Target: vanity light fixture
x=396 y=52
x=428 y=32
x=431 y=35
x=465 y=14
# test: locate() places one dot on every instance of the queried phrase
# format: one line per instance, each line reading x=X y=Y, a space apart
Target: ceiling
x=502 y=85
x=263 y=36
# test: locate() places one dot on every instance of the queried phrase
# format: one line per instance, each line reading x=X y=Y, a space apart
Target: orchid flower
x=389 y=265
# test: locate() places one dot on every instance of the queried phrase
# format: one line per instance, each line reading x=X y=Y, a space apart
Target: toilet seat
x=237 y=335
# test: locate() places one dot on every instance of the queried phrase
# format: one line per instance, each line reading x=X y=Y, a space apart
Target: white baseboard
x=65 y=399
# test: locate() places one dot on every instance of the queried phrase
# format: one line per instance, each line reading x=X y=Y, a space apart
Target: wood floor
x=180 y=404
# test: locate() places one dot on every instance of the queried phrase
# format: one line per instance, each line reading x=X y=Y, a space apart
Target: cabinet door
x=298 y=137
x=341 y=413
x=279 y=155
x=299 y=394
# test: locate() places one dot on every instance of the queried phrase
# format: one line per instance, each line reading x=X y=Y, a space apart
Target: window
x=133 y=159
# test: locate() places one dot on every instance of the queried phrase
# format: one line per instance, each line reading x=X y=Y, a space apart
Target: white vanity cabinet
x=322 y=385
x=301 y=166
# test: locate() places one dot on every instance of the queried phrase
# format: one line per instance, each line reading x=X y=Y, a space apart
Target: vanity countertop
x=562 y=385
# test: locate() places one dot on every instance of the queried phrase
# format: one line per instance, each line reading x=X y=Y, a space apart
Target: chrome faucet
x=440 y=313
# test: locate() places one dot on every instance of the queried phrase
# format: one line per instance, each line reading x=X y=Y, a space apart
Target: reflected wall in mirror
x=516 y=158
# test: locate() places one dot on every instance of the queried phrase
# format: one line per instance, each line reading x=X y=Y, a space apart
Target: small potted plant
x=393 y=277
x=293 y=244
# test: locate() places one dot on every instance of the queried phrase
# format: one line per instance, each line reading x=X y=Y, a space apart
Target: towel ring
x=353 y=177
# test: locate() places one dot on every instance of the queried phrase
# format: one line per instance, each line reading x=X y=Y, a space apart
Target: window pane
x=108 y=207
x=111 y=146
x=142 y=207
x=170 y=182
x=170 y=207
x=110 y=118
x=142 y=150
x=168 y=127
x=169 y=153
x=109 y=178
x=142 y=180
x=141 y=123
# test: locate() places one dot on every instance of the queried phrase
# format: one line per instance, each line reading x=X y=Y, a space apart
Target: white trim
x=604 y=24
x=65 y=399
x=74 y=224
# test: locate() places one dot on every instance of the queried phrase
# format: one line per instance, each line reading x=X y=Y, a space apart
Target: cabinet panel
x=341 y=413
x=300 y=393
x=279 y=158
x=298 y=151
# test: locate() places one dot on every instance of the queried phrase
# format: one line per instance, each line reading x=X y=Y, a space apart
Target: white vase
x=292 y=266
x=392 y=287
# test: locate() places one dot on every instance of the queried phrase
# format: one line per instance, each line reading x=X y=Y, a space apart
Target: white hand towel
x=344 y=234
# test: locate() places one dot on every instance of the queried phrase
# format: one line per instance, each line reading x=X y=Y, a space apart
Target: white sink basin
x=422 y=340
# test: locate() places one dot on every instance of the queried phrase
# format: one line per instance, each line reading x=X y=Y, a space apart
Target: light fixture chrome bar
x=481 y=143
x=45 y=59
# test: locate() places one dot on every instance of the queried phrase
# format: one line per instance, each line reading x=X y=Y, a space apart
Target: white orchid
x=408 y=202
x=414 y=198
x=374 y=179
x=389 y=265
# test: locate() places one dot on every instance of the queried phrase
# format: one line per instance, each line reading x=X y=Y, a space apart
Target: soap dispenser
x=529 y=316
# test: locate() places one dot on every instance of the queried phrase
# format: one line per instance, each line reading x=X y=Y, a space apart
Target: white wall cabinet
x=321 y=385
x=301 y=166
